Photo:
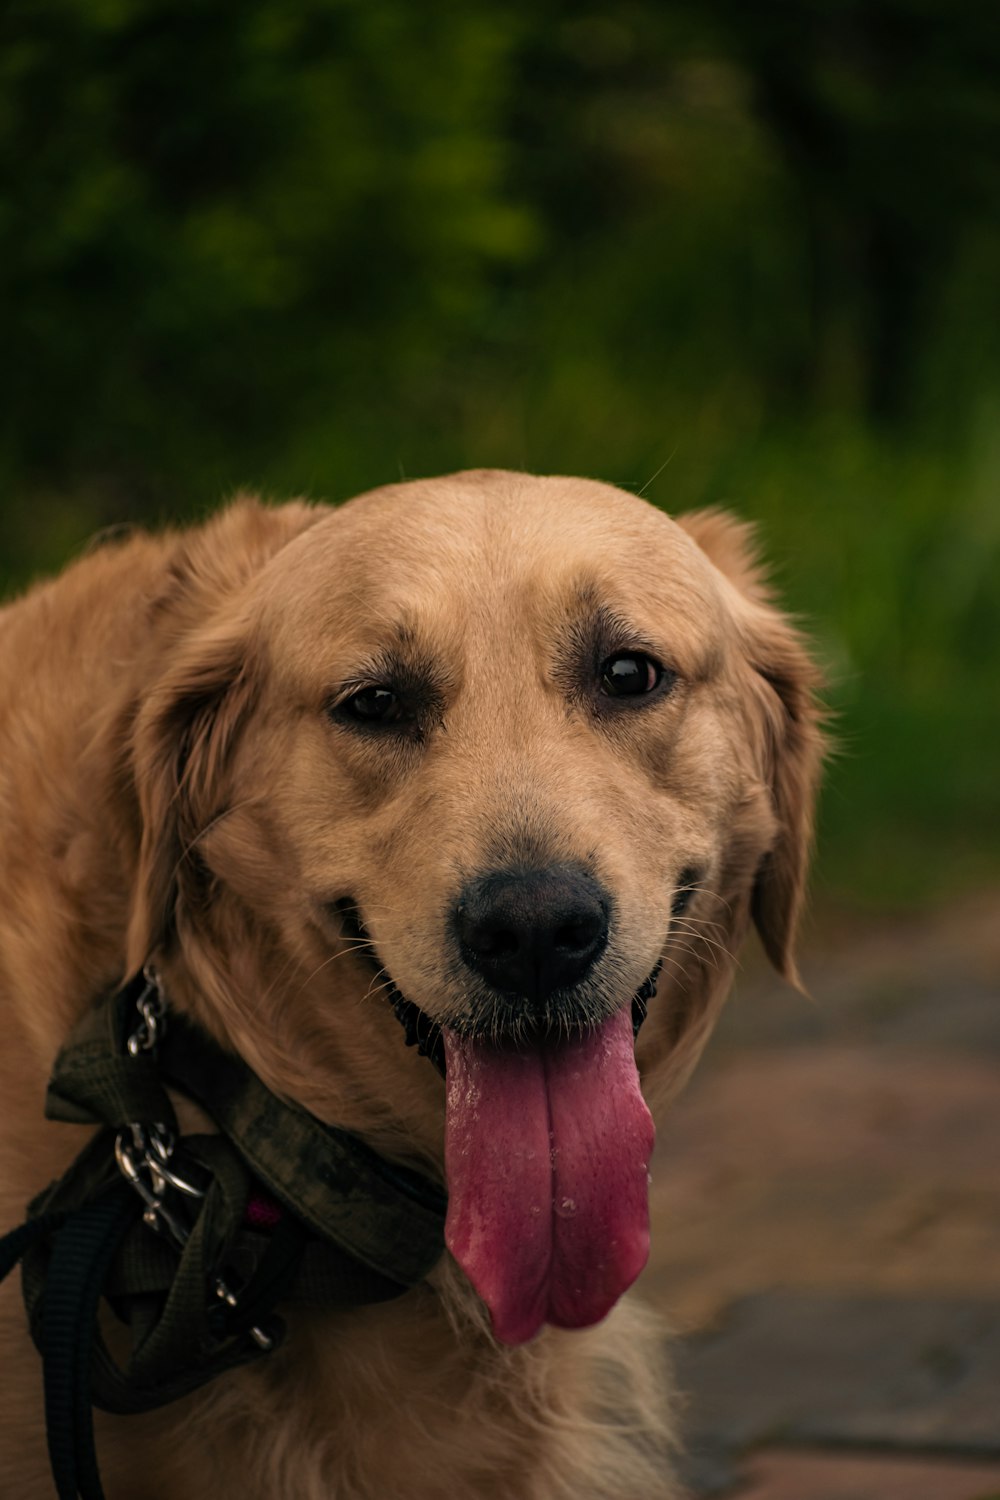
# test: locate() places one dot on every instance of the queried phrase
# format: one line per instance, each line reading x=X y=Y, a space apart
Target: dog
x=506 y=751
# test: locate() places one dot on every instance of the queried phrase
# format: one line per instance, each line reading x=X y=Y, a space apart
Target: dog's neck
x=276 y=1011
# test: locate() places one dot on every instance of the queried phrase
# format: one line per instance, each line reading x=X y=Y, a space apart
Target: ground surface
x=826 y=1222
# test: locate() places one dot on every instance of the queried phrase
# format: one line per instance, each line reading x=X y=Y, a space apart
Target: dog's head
x=491 y=753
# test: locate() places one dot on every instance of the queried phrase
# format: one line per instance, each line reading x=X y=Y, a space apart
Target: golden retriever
x=510 y=743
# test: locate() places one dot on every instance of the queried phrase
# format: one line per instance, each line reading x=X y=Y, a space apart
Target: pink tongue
x=547 y=1155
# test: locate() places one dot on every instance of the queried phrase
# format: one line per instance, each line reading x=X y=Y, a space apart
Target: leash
x=193 y=1241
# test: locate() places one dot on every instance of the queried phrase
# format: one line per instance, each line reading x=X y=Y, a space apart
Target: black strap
x=82 y=1250
x=15 y=1245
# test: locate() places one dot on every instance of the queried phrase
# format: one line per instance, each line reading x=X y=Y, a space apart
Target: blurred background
x=719 y=253
x=723 y=254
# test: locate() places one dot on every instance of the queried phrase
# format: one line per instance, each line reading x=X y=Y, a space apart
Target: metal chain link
x=144 y=1153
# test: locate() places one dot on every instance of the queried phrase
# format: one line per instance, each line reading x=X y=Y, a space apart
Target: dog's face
x=501 y=747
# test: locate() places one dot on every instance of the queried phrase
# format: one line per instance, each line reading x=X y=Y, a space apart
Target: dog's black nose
x=531 y=932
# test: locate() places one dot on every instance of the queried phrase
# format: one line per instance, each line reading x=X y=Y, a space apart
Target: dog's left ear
x=786 y=718
x=183 y=739
x=187 y=723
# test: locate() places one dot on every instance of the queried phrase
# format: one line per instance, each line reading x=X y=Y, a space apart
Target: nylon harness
x=194 y=1240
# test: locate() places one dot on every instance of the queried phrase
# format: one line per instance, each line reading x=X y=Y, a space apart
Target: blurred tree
x=887 y=114
x=720 y=252
x=225 y=228
x=220 y=220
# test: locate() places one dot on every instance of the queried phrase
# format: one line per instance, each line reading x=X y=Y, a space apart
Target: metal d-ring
x=156 y=1214
x=157 y=1144
x=143 y=1154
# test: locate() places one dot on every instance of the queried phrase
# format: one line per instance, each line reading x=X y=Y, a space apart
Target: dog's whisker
x=319 y=969
x=654 y=477
x=378 y=988
x=702 y=931
x=671 y=963
x=696 y=945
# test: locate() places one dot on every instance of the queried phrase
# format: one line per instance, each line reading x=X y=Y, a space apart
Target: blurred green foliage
x=729 y=254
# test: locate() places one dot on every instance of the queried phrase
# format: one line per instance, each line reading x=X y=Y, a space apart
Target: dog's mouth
x=426 y=1034
x=547 y=1148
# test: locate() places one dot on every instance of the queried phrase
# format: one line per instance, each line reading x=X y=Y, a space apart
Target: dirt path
x=844 y=1150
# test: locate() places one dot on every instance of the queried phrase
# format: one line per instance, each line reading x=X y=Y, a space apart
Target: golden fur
x=172 y=784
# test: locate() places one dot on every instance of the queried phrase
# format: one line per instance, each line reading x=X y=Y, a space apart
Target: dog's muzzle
x=574 y=920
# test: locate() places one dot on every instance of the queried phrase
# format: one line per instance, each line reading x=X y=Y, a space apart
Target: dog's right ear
x=182 y=744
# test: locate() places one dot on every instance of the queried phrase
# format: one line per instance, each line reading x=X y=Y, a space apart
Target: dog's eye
x=375 y=705
x=630 y=674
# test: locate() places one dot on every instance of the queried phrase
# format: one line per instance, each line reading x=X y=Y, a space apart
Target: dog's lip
x=421 y=1030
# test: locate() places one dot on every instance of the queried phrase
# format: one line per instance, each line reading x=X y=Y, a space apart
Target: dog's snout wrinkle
x=529 y=933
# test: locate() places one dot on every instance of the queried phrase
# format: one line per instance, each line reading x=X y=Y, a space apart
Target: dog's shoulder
x=130 y=597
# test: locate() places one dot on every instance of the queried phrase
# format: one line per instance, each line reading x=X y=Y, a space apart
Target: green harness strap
x=389 y=1218
x=339 y=1224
